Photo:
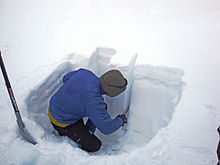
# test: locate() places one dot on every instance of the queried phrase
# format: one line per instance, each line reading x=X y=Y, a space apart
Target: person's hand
x=124 y=118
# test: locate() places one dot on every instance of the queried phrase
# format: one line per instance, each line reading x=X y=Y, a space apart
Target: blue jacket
x=81 y=96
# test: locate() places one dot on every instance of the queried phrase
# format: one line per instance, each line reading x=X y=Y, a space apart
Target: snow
x=174 y=111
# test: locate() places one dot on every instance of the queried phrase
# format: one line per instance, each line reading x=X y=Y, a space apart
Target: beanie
x=113 y=83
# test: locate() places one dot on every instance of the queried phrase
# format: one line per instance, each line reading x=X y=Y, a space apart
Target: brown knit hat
x=113 y=83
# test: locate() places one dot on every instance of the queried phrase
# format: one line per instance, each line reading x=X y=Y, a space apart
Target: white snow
x=174 y=111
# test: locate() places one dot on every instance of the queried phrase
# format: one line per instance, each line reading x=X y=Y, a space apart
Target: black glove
x=124 y=118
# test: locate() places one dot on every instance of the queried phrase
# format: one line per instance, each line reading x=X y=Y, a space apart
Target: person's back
x=67 y=105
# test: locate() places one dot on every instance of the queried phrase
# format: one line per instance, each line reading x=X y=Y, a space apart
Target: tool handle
x=7 y=83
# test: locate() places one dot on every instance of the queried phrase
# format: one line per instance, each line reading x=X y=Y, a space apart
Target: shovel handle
x=7 y=83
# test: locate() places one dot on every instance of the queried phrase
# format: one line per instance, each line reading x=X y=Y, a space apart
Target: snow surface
x=173 y=117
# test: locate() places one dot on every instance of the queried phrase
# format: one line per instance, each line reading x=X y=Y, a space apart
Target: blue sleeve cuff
x=121 y=120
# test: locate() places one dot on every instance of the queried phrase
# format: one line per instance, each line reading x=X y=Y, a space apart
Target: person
x=81 y=95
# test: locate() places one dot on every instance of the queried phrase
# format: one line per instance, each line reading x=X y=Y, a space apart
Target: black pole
x=20 y=123
x=7 y=83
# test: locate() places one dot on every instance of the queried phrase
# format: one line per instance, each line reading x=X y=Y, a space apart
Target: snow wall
x=155 y=94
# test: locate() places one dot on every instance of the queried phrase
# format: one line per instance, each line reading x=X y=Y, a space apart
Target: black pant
x=80 y=134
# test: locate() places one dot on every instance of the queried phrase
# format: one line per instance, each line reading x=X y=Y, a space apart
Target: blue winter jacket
x=81 y=96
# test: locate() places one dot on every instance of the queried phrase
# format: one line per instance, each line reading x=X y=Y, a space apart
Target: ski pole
x=26 y=135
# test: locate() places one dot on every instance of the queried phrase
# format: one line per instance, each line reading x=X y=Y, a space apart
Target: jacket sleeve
x=68 y=76
x=95 y=109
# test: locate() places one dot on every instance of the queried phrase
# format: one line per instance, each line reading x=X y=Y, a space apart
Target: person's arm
x=89 y=124
x=95 y=109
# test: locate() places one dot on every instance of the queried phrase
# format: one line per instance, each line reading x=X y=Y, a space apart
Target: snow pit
x=156 y=92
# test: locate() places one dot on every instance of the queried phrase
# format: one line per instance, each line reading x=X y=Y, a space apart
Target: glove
x=124 y=118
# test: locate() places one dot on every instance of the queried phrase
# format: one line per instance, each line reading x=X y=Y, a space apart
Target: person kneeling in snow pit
x=81 y=96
